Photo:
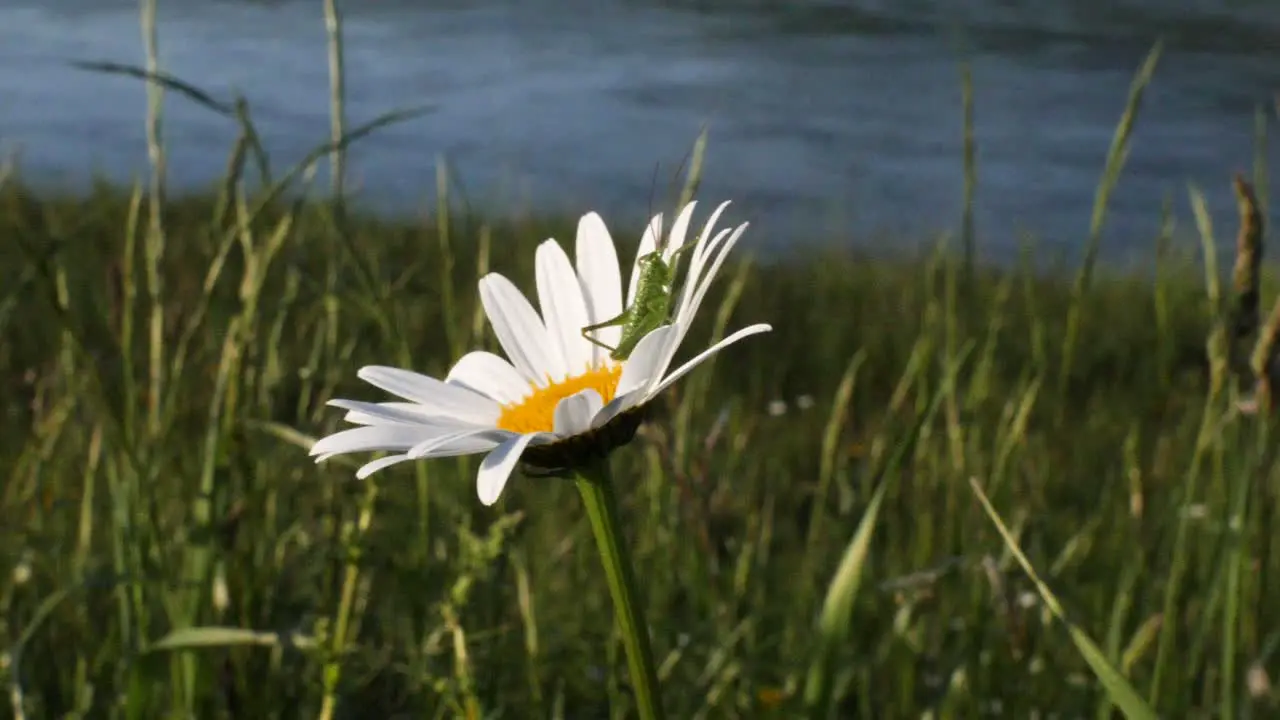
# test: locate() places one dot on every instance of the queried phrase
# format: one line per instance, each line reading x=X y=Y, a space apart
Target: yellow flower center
x=537 y=411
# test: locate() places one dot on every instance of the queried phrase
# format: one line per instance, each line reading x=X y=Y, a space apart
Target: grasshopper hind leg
x=620 y=320
x=586 y=333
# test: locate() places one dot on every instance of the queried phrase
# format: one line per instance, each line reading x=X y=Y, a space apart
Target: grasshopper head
x=654 y=270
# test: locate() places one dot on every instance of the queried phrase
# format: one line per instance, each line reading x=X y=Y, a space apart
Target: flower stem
x=602 y=508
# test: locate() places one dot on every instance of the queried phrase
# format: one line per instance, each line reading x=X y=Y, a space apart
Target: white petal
x=679 y=231
x=638 y=374
x=563 y=308
x=706 y=243
x=472 y=444
x=401 y=413
x=648 y=242
x=689 y=308
x=696 y=285
x=694 y=277
x=359 y=417
x=640 y=367
x=600 y=279
x=708 y=228
x=618 y=405
x=437 y=397
x=375 y=437
x=573 y=414
x=486 y=438
x=705 y=354
x=640 y=371
x=370 y=468
x=497 y=466
x=519 y=329
x=490 y=375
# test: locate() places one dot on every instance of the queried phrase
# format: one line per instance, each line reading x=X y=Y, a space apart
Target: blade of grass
x=835 y=622
x=196 y=638
x=1111 y=170
x=1123 y=694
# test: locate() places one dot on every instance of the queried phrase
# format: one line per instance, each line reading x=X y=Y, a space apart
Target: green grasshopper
x=650 y=308
x=652 y=304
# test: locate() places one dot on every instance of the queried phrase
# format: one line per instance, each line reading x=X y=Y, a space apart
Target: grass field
x=164 y=368
x=131 y=512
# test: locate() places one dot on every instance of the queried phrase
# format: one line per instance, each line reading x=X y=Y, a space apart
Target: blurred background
x=825 y=118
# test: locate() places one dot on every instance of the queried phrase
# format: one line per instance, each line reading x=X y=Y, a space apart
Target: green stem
x=602 y=507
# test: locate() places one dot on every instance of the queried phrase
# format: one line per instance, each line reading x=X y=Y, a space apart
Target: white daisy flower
x=560 y=395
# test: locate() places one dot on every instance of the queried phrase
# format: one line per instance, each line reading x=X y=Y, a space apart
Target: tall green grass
x=811 y=518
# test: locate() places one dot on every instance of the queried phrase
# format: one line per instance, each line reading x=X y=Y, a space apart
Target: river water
x=823 y=116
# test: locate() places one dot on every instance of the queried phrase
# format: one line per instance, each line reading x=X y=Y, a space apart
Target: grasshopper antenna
x=683 y=192
x=653 y=190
